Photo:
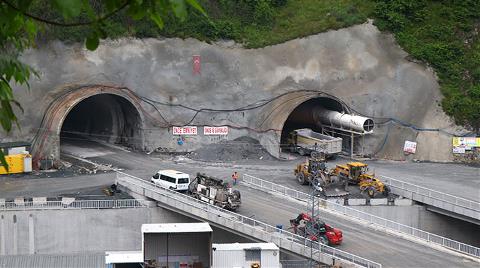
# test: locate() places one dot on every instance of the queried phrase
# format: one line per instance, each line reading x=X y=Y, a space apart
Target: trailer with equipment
x=214 y=191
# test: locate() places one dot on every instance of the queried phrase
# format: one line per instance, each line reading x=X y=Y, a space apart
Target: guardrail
x=76 y=204
x=425 y=192
x=372 y=219
x=299 y=264
x=254 y=228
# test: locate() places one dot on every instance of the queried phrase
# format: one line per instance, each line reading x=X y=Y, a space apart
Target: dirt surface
x=243 y=148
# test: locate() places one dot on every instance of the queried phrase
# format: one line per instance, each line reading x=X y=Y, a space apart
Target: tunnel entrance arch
x=295 y=110
x=302 y=115
x=106 y=113
x=105 y=117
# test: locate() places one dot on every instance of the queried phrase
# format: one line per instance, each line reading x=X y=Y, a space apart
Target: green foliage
x=442 y=34
x=255 y=23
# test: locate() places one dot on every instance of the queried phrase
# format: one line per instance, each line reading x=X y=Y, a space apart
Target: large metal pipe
x=341 y=120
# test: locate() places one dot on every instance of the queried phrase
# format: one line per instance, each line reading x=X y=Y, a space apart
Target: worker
x=235 y=178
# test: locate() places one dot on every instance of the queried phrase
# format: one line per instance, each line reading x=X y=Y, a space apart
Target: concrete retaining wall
x=418 y=217
x=89 y=230
x=70 y=231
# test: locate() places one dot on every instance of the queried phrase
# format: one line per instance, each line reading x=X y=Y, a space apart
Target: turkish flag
x=196 y=64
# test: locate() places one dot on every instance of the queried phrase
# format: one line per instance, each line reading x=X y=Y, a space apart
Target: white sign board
x=410 y=147
x=215 y=130
x=187 y=130
x=459 y=150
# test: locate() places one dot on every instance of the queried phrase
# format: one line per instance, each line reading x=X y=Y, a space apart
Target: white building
x=246 y=255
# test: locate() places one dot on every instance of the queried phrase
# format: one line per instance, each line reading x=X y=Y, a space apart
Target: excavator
x=316 y=230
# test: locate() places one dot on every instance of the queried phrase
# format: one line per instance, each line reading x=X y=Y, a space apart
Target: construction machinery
x=357 y=173
x=214 y=191
x=308 y=142
x=316 y=230
x=314 y=171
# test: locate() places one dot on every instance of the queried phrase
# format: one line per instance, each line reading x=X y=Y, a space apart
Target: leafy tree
x=443 y=34
x=19 y=28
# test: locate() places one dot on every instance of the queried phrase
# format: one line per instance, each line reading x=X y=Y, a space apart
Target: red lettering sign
x=188 y=130
x=215 y=130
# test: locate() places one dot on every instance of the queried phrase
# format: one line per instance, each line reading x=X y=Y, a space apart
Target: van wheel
x=301 y=151
x=314 y=154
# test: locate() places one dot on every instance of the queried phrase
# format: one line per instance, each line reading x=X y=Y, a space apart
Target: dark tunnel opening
x=302 y=116
x=106 y=117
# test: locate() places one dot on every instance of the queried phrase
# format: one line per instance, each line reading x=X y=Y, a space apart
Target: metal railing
x=240 y=223
x=77 y=204
x=300 y=264
x=423 y=191
x=372 y=219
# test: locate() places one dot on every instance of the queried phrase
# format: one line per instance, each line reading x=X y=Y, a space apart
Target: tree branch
x=64 y=24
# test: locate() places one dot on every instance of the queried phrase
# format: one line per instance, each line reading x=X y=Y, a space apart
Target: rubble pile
x=243 y=148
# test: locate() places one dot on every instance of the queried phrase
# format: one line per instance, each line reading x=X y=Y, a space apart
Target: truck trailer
x=308 y=142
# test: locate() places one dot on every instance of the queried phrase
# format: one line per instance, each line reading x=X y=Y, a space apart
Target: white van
x=172 y=179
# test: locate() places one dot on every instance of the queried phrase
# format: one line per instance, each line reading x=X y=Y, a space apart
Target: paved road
x=389 y=250
x=454 y=179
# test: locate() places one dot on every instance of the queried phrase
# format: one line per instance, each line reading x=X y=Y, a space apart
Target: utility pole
x=313 y=218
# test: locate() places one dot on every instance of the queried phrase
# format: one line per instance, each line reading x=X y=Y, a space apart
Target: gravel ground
x=240 y=149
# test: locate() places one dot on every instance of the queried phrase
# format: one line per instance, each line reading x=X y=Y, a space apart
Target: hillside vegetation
x=440 y=33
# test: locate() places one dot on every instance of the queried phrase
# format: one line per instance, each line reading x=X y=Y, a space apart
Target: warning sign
x=187 y=130
x=215 y=130
x=410 y=147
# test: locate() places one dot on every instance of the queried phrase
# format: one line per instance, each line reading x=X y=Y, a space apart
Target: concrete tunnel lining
x=46 y=144
x=275 y=116
x=103 y=116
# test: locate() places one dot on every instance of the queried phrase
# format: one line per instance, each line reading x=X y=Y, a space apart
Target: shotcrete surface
x=360 y=65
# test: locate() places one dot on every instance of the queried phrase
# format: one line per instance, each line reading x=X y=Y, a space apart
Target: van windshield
x=182 y=180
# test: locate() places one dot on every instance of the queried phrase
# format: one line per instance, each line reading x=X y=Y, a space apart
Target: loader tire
x=371 y=192
x=323 y=240
x=301 y=178
x=386 y=190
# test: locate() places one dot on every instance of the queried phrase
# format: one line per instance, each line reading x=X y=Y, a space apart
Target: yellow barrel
x=15 y=164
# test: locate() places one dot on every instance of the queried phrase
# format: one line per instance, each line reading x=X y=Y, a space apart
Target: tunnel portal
x=106 y=117
x=303 y=117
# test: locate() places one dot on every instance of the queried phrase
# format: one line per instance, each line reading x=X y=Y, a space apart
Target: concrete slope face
x=133 y=91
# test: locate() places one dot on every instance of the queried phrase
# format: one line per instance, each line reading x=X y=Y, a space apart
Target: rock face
x=360 y=66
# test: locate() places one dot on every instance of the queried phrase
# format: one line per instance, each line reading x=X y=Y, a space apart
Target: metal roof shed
x=267 y=255
x=53 y=261
x=177 y=244
x=121 y=258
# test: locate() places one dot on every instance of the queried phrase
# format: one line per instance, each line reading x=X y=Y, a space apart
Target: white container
x=27 y=163
x=243 y=255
